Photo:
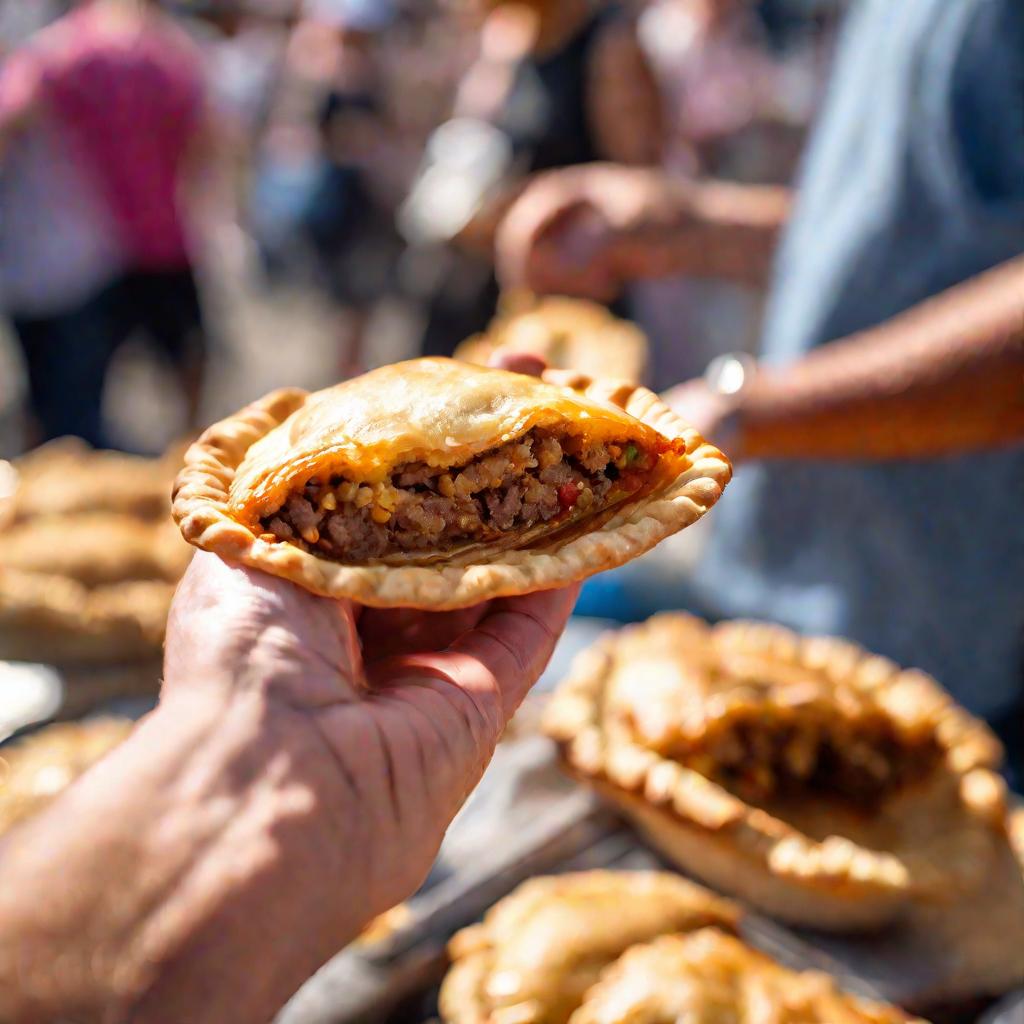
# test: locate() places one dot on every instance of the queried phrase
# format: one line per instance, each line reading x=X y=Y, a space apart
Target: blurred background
x=259 y=193
x=309 y=177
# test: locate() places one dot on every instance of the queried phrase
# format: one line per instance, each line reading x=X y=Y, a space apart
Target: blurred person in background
x=719 y=77
x=560 y=83
x=19 y=20
x=733 y=113
x=124 y=87
x=884 y=420
x=322 y=194
x=59 y=259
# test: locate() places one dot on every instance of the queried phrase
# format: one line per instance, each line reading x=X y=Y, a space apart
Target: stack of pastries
x=604 y=947
x=89 y=557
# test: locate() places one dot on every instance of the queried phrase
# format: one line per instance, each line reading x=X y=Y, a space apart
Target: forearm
x=149 y=887
x=947 y=377
x=706 y=229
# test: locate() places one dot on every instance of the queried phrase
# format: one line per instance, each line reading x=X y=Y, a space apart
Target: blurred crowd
x=389 y=155
x=364 y=150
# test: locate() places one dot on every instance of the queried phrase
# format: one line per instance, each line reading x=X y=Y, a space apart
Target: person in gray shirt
x=880 y=434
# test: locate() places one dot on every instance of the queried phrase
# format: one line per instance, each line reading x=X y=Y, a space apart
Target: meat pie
x=436 y=484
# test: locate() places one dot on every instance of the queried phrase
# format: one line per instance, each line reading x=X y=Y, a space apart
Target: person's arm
x=588 y=230
x=947 y=377
x=296 y=780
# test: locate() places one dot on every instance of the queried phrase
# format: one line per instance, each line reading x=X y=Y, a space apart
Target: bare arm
x=947 y=377
x=589 y=230
x=705 y=229
x=146 y=881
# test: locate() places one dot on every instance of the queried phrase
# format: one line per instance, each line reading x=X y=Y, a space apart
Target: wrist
x=204 y=835
x=268 y=866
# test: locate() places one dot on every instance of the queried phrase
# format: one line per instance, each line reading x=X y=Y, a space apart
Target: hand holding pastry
x=296 y=780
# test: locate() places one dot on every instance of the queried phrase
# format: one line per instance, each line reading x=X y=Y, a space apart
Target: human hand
x=405 y=706
x=570 y=230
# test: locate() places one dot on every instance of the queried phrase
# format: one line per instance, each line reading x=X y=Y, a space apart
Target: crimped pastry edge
x=834 y=885
x=200 y=507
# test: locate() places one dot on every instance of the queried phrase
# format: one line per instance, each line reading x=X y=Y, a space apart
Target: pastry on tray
x=96 y=548
x=540 y=949
x=67 y=477
x=89 y=555
x=435 y=484
x=709 y=977
x=34 y=771
x=822 y=784
x=57 y=620
x=568 y=334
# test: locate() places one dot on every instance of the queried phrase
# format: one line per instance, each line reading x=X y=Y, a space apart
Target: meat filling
x=769 y=758
x=539 y=478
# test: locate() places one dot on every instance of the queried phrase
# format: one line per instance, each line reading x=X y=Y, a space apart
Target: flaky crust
x=538 y=950
x=568 y=334
x=806 y=862
x=36 y=770
x=56 y=620
x=242 y=465
x=708 y=977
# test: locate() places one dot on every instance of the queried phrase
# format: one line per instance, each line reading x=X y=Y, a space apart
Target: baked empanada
x=436 y=484
x=96 y=549
x=56 y=620
x=539 y=949
x=709 y=977
x=67 y=477
x=824 y=785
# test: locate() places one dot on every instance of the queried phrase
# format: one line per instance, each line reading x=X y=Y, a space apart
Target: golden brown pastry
x=708 y=977
x=385 y=925
x=820 y=783
x=36 y=770
x=435 y=484
x=56 y=620
x=538 y=950
x=67 y=477
x=568 y=334
x=96 y=548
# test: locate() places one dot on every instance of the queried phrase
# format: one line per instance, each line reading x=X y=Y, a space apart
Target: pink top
x=130 y=94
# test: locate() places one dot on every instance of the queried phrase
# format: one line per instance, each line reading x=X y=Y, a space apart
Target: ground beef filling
x=761 y=760
x=540 y=478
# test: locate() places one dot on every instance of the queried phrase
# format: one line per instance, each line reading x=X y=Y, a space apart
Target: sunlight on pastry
x=434 y=465
x=537 y=951
x=89 y=556
x=821 y=783
x=709 y=977
x=611 y=947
